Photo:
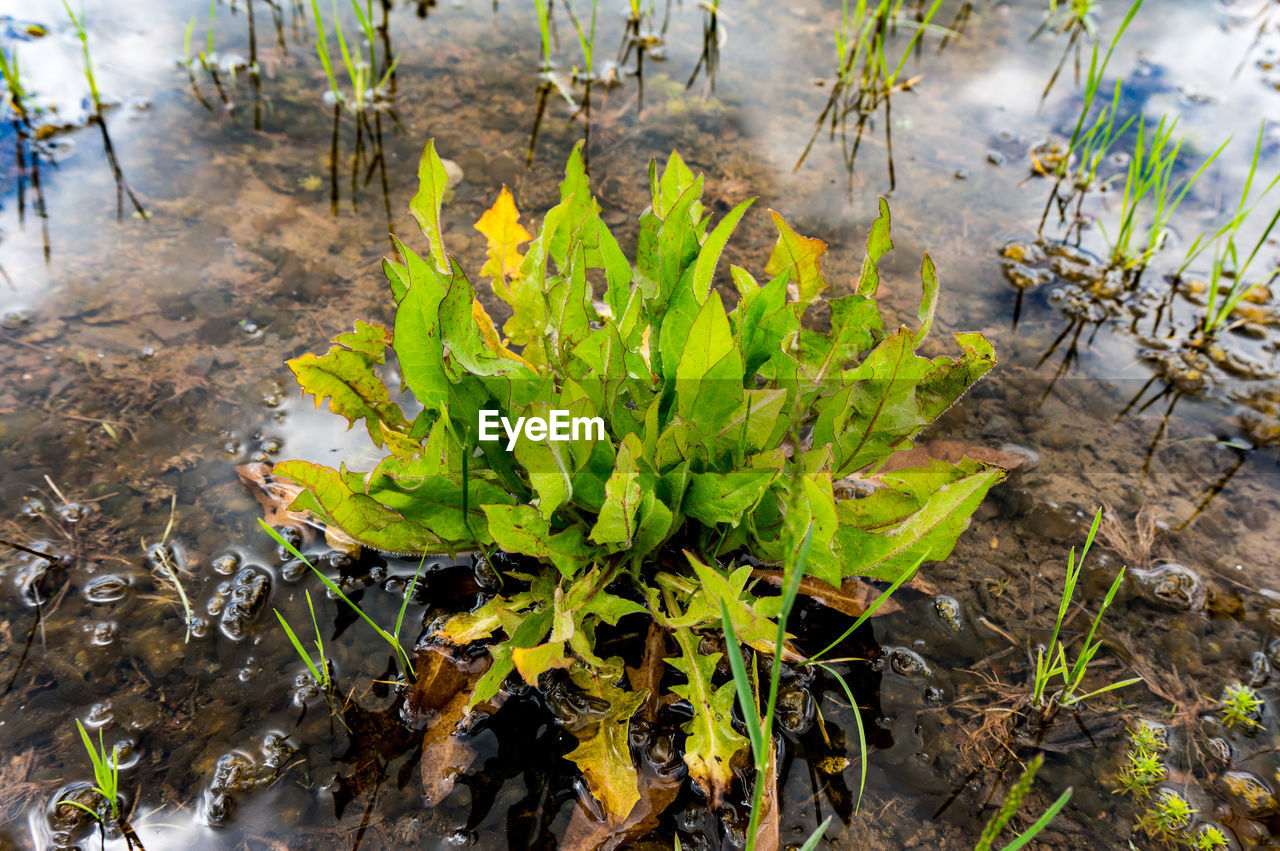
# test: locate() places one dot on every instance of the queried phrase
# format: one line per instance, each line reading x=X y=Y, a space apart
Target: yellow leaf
x=490 y=334
x=603 y=753
x=532 y=661
x=501 y=226
x=801 y=255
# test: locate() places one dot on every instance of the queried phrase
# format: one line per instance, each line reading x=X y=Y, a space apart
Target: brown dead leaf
x=275 y=496
x=767 y=829
x=852 y=598
x=445 y=756
x=648 y=677
x=586 y=832
x=442 y=690
x=951 y=451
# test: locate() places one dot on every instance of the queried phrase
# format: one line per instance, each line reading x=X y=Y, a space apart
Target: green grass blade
x=408 y=593
x=871 y=610
x=742 y=684
x=862 y=733
x=816 y=837
x=1041 y=823
x=297 y=645
x=333 y=586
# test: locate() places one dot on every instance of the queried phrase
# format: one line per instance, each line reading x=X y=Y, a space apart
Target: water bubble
x=105 y=589
x=226 y=564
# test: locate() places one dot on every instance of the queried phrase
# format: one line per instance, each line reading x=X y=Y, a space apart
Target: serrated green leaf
x=531 y=629
x=704 y=268
x=929 y=303
x=418 y=345
x=878 y=244
x=346 y=378
x=359 y=515
x=521 y=529
x=709 y=374
x=724 y=497
x=713 y=743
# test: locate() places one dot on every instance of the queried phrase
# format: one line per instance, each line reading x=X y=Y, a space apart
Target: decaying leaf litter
x=1182 y=471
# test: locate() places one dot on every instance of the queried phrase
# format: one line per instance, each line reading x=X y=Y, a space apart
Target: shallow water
x=143 y=362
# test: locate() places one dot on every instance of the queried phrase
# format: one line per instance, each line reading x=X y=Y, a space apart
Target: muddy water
x=143 y=361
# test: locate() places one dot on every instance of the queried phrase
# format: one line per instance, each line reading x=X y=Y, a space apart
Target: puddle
x=143 y=361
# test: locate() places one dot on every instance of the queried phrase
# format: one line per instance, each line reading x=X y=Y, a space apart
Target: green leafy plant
x=392 y=638
x=1208 y=837
x=319 y=668
x=1143 y=770
x=1053 y=664
x=1010 y=806
x=1240 y=706
x=1144 y=764
x=711 y=433
x=1146 y=737
x=106 y=773
x=1168 y=817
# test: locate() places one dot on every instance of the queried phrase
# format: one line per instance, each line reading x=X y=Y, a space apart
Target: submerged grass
x=106 y=773
x=866 y=79
x=78 y=23
x=1053 y=663
x=1091 y=144
x=403 y=660
x=367 y=85
x=1149 y=185
x=82 y=35
x=17 y=93
x=320 y=669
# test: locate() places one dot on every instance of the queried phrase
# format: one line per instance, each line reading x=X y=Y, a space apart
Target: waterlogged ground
x=142 y=362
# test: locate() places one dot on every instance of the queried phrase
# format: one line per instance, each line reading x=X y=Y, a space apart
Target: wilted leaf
x=603 y=753
x=501 y=227
x=656 y=792
x=801 y=255
x=852 y=597
x=440 y=693
x=345 y=376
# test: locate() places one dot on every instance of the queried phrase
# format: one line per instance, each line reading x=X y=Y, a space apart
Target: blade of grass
x=401 y=653
x=871 y=610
